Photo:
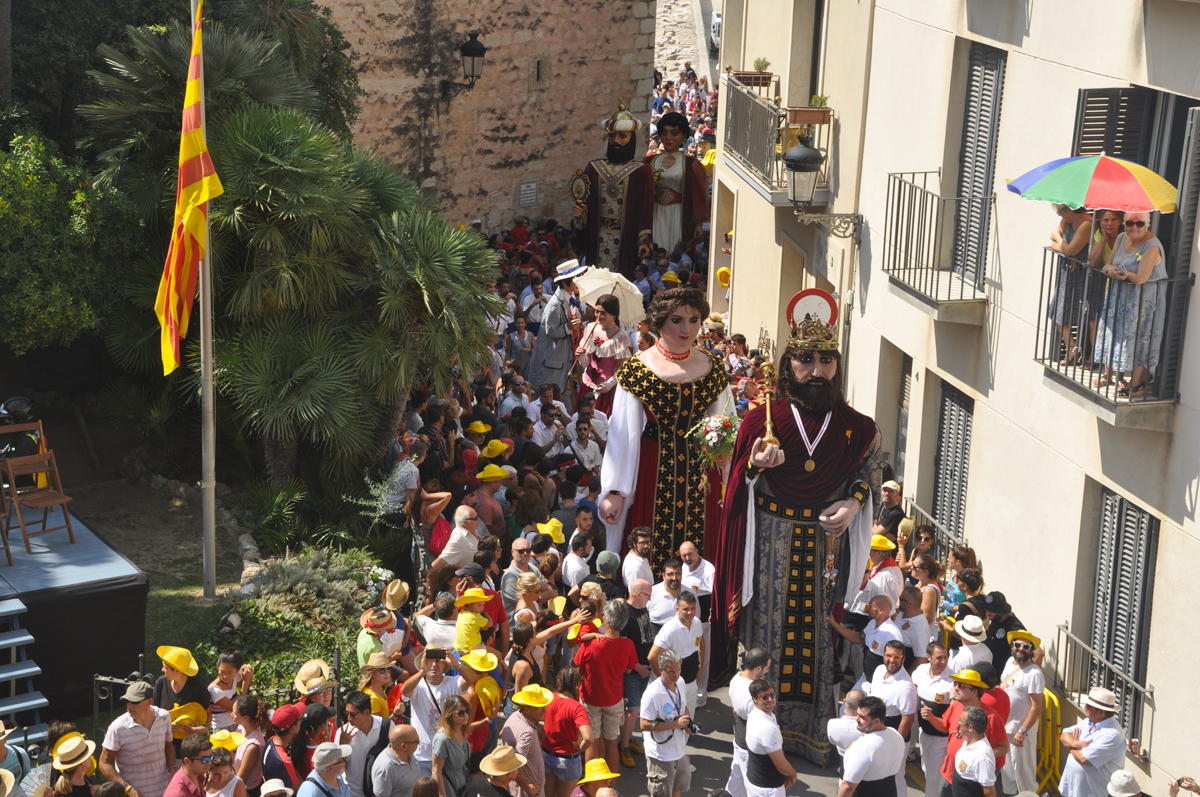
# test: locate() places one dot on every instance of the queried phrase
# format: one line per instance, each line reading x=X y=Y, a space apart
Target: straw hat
x=72 y=753
x=501 y=761
x=1103 y=699
x=313 y=677
x=533 y=695
x=881 y=543
x=378 y=620
x=274 y=786
x=597 y=769
x=376 y=661
x=227 y=740
x=179 y=658
x=970 y=678
x=554 y=528
x=472 y=595
x=62 y=740
x=7 y=781
x=971 y=628
x=395 y=595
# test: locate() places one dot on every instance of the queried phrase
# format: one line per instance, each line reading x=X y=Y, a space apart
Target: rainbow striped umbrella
x=1097 y=182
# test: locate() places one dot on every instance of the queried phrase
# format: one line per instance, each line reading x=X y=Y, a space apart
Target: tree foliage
x=62 y=241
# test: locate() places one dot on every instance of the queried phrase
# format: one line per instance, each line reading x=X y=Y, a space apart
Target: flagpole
x=208 y=445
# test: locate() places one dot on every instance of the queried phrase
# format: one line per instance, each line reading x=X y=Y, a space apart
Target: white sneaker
x=701 y=700
x=691 y=767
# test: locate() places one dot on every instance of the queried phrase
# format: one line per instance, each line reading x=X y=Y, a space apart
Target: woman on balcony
x=1073 y=232
x=1131 y=335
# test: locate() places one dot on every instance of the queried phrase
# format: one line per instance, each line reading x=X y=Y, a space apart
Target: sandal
x=1136 y=391
x=1100 y=381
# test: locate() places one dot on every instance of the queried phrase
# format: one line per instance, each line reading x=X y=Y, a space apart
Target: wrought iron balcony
x=936 y=248
x=758 y=132
x=1092 y=330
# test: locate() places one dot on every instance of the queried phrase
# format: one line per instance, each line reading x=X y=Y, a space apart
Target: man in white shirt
x=873 y=760
x=546 y=396
x=756 y=663
x=586 y=450
x=972 y=633
x=768 y=774
x=935 y=691
x=533 y=302
x=463 y=543
x=586 y=408
x=884 y=577
x=516 y=395
x=666 y=725
x=637 y=562
x=665 y=593
x=879 y=631
x=575 y=566
x=684 y=635
x=522 y=559
x=914 y=628
x=1095 y=747
x=1025 y=684
x=436 y=621
x=548 y=432
x=892 y=684
x=698 y=574
x=975 y=761
x=361 y=732
x=426 y=692
x=843 y=731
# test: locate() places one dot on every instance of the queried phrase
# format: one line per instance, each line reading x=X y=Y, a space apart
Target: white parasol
x=597 y=282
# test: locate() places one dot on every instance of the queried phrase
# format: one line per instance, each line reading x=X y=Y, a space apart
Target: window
x=1115 y=122
x=951 y=460
x=902 y=417
x=1124 y=584
x=977 y=160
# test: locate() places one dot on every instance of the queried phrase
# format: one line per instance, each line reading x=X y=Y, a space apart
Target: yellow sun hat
x=480 y=660
x=533 y=695
x=671 y=276
x=227 y=740
x=190 y=714
x=479 y=427
x=472 y=595
x=1021 y=633
x=597 y=769
x=494 y=449
x=492 y=473
x=881 y=543
x=179 y=658
x=724 y=275
x=553 y=527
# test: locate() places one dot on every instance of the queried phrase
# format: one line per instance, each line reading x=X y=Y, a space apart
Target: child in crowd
x=234 y=677
x=471 y=620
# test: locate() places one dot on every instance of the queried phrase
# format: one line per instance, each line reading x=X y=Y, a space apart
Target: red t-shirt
x=605 y=662
x=997 y=699
x=995 y=735
x=494 y=608
x=564 y=717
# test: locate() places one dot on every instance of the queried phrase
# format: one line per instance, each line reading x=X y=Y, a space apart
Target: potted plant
x=759 y=78
x=817 y=112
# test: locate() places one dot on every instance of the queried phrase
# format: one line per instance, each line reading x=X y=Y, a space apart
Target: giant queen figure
x=654 y=473
x=680 y=185
x=616 y=217
x=795 y=532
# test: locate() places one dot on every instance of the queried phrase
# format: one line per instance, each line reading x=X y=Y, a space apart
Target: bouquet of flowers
x=716 y=435
x=373 y=580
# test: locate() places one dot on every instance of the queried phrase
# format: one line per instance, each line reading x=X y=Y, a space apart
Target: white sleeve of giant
x=620 y=469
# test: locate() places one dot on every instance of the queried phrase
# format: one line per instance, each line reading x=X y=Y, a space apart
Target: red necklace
x=670 y=355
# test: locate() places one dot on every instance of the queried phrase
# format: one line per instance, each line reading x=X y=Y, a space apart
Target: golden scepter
x=765 y=348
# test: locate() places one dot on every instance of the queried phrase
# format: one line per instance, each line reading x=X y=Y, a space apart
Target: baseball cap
x=471 y=571
x=137 y=692
x=608 y=562
x=328 y=753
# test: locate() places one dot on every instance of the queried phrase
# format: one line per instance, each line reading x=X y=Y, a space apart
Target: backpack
x=380 y=745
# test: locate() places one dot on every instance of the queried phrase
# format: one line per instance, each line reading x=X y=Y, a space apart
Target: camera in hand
x=693 y=726
x=435 y=654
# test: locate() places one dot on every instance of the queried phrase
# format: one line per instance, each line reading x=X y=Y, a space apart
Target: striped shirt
x=141 y=753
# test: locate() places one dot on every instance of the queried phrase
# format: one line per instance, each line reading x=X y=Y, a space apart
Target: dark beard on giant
x=622 y=154
x=814 y=396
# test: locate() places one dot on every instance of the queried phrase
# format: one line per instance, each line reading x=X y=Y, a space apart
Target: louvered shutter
x=902 y=416
x=977 y=160
x=1179 y=259
x=1124 y=587
x=1114 y=122
x=951 y=461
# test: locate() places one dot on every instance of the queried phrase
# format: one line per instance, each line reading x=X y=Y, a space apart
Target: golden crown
x=813 y=334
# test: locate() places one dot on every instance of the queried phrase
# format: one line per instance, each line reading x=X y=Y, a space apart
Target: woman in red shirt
x=568 y=734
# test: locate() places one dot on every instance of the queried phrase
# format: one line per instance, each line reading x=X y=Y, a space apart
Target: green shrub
x=316 y=586
x=761 y=65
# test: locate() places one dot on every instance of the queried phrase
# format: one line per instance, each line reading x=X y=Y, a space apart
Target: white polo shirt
x=739 y=698
x=914 y=632
x=842 y=731
x=762 y=733
x=661 y=605
x=965 y=658
x=896 y=691
x=676 y=636
x=635 y=567
x=976 y=763
x=875 y=756
x=1021 y=685
x=575 y=570
x=934 y=688
x=875 y=638
x=700 y=580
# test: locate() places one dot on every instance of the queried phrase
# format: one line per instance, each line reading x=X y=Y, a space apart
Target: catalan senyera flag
x=198 y=183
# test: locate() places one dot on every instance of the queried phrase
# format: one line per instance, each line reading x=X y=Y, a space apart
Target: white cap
x=1123 y=784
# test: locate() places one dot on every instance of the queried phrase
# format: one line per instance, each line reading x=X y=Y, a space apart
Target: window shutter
x=902 y=416
x=1124 y=587
x=951 y=461
x=1114 y=122
x=977 y=160
x=1179 y=258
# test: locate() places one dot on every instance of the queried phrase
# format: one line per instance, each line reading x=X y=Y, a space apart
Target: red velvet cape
x=838 y=456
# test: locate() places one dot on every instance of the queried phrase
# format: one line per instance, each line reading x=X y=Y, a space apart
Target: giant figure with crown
x=796 y=529
x=615 y=213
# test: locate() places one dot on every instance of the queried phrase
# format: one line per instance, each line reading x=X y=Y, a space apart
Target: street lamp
x=472 y=53
x=803 y=163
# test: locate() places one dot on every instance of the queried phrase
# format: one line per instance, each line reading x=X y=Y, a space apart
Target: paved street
x=681 y=34
x=712 y=752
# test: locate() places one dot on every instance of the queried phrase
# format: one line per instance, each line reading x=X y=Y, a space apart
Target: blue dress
x=1131 y=329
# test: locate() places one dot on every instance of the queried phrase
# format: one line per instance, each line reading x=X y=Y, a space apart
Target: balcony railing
x=1096 y=335
x=757 y=134
x=938 y=246
x=1078 y=668
x=943 y=538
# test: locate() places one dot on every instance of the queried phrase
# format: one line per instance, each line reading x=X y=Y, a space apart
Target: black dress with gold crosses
x=674 y=494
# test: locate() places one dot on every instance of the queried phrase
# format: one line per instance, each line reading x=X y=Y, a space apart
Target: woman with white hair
x=1131 y=335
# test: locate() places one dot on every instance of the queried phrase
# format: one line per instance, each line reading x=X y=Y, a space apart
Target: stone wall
x=553 y=72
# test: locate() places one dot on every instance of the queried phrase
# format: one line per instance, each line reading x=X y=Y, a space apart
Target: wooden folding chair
x=43 y=498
